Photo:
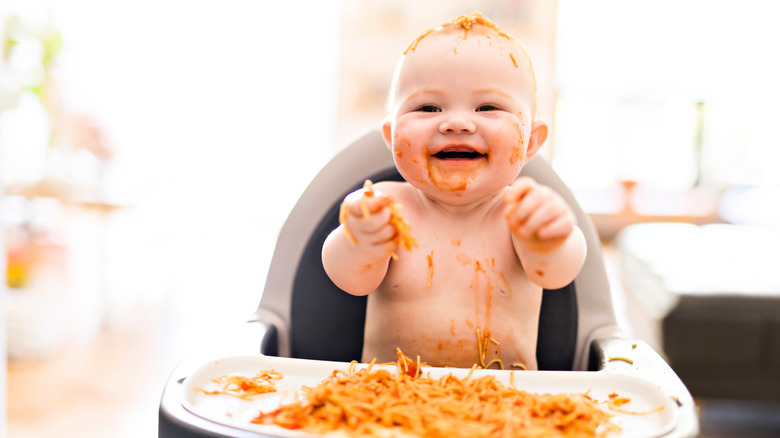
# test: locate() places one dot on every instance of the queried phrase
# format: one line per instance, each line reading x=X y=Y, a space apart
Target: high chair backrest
x=314 y=319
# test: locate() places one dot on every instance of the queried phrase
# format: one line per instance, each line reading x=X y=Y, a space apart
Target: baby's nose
x=457 y=123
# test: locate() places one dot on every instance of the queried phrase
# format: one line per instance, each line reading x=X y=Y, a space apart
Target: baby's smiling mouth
x=458 y=153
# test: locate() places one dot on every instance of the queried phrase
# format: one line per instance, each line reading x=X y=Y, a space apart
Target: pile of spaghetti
x=378 y=402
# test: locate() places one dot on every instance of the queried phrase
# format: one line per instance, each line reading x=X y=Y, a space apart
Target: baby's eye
x=487 y=108
x=429 y=109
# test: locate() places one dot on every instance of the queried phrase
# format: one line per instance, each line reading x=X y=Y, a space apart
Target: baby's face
x=461 y=115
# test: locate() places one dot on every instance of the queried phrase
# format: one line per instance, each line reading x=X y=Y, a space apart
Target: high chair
x=302 y=314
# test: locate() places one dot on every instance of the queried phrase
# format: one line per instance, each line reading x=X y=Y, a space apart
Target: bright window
x=672 y=94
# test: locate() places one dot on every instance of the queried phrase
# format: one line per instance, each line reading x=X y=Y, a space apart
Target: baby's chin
x=460 y=193
x=470 y=196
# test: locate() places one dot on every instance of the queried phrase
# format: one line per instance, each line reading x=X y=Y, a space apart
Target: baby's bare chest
x=452 y=258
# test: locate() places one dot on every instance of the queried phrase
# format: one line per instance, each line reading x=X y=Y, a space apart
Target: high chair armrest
x=637 y=358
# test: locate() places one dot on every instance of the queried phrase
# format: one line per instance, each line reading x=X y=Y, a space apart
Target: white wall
x=221 y=112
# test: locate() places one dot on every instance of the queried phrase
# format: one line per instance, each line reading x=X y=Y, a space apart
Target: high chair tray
x=237 y=412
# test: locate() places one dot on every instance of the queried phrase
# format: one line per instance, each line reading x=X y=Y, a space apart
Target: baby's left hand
x=537 y=215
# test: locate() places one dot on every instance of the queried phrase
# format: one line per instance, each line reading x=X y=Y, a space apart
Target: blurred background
x=151 y=150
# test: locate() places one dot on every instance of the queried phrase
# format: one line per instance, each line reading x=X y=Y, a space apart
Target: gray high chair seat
x=302 y=314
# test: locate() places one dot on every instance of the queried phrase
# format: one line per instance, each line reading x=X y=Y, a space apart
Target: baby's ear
x=387 y=133
x=539 y=131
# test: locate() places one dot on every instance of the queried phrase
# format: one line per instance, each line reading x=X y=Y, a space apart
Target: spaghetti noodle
x=430 y=269
x=615 y=403
x=483 y=345
x=246 y=388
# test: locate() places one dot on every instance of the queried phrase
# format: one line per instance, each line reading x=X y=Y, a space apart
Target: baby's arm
x=545 y=235
x=356 y=255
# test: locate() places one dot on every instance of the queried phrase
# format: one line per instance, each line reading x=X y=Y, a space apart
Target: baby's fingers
x=364 y=206
x=559 y=227
x=544 y=213
x=382 y=236
x=371 y=224
x=375 y=234
x=518 y=214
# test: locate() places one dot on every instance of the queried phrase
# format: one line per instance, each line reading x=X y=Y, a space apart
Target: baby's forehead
x=476 y=29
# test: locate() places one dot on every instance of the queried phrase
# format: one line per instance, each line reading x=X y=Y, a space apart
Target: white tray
x=236 y=412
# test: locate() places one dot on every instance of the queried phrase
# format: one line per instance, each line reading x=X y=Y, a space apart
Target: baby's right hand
x=365 y=219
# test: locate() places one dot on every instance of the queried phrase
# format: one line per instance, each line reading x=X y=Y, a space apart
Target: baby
x=461 y=124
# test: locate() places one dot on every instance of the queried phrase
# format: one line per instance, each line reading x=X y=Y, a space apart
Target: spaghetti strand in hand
x=365 y=216
x=372 y=202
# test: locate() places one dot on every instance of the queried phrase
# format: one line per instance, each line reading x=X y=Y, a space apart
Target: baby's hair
x=475 y=22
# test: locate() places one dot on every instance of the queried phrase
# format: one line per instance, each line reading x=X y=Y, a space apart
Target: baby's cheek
x=512 y=139
x=409 y=160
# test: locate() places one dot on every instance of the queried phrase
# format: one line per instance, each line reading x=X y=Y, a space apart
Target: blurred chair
x=302 y=314
x=707 y=297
